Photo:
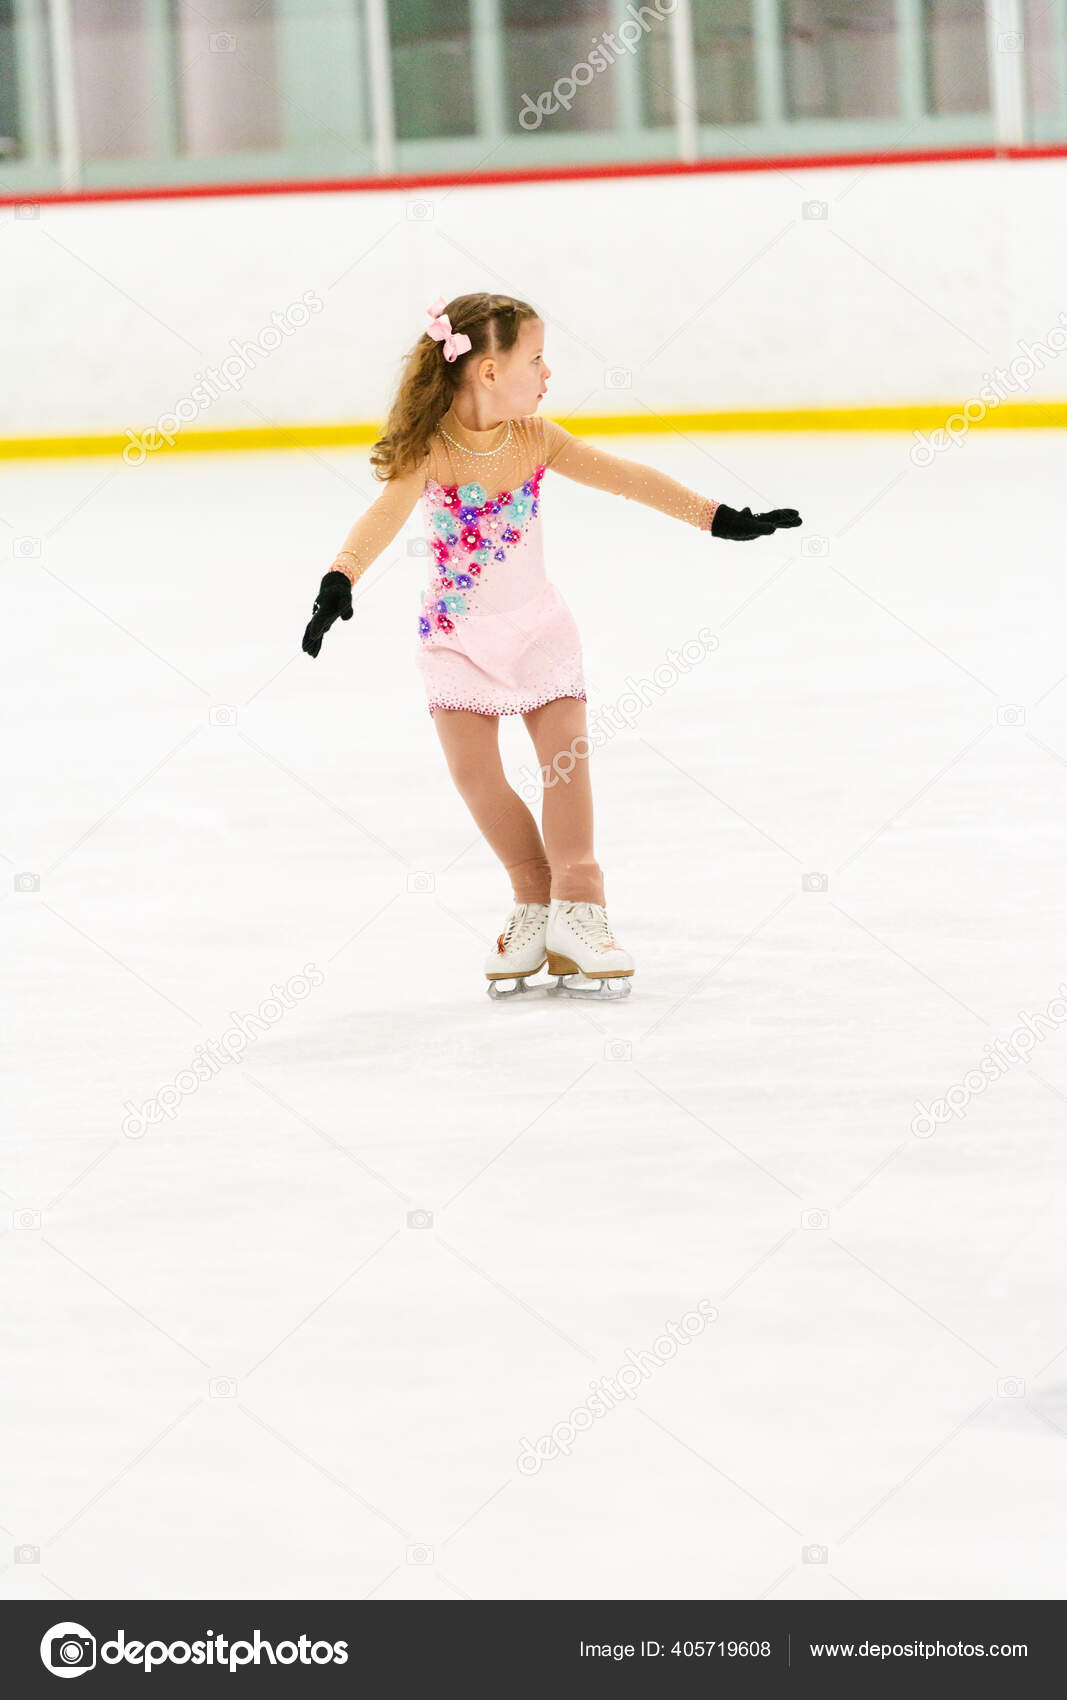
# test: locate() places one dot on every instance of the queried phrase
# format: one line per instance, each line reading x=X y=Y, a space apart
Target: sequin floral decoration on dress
x=467 y=530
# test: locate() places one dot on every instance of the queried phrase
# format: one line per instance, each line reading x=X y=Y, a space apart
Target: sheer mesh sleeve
x=375 y=529
x=587 y=465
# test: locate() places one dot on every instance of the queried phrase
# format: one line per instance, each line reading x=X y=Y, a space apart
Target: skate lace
x=592 y=918
x=522 y=922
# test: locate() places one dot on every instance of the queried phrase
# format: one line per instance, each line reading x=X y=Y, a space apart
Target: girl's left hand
x=742 y=527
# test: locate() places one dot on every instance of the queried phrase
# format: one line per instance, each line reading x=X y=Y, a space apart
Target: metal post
x=66 y=95
x=770 y=69
x=625 y=78
x=165 y=75
x=487 y=63
x=911 y=62
x=683 y=68
x=1007 y=71
x=380 y=65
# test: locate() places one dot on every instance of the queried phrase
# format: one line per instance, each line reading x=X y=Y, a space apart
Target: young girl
x=495 y=635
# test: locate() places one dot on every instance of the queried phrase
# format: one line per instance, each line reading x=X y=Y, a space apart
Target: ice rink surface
x=304 y=1333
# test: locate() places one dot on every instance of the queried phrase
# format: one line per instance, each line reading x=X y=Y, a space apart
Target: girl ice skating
x=494 y=635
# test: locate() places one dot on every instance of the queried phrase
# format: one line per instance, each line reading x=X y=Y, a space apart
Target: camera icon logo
x=814 y=882
x=618 y=1050
x=420 y=1218
x=28 y=209
x=27 y=882
x=815 y=546
x=1009 y=41
x=68 y=1649
x=814 y=1554
x=222 y=42
x=27 y=1554
x=222 y=1387
x=26 y=1219
x=420 y=1555
x=1011 y=714
x=420 y=209
x=420 y=882
x=223 y=714
x=814 y=1218
x=27 y=548
x=1010 y=1387
x=418 y=546
x=618 y=378
x=815 y=209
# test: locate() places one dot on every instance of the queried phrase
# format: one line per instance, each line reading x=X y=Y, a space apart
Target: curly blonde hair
x=429 y=381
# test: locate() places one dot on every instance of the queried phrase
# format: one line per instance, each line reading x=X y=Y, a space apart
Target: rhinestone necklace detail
x=480 y=452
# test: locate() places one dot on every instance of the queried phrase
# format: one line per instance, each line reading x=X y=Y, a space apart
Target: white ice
x=235 y=1369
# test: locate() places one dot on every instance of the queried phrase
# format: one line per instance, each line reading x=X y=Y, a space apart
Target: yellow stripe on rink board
x=924 y=417
x=194 y=442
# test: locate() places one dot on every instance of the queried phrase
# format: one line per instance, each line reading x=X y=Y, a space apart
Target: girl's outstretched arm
x=587 y=465
x=375 y=529
x=372 y=532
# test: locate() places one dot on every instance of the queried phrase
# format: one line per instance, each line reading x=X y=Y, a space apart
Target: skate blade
x=603 y=988
x=520 y=986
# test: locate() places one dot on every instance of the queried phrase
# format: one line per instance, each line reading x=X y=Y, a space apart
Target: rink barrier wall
x=905 y=291
x=536 y=174
x=926 y=417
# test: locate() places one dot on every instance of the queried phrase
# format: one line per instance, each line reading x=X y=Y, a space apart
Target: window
x=433 y=83
x=957 y=72
x=546 y=59
x=9 y=94
x=723 y=50
x=1039 y=35
x=112 y=78
x=228 y=75
x=840 y=58
x=725 y=61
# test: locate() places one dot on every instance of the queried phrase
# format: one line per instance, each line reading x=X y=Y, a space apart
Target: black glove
x=333 y=601
x=742 y=527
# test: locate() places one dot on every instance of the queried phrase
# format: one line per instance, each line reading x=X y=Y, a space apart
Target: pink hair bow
x=440 y=328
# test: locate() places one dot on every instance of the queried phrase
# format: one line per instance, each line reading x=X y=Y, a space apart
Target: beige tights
x=562 y=864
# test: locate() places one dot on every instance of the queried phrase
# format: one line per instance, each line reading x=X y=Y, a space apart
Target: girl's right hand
x=333 y=602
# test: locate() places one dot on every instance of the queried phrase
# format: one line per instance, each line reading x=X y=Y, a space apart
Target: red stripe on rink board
x=537 y=174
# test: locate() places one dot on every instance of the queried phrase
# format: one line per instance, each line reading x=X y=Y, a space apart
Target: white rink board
x=699 y=292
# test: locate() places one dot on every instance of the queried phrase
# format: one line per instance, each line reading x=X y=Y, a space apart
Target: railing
x=121 y=93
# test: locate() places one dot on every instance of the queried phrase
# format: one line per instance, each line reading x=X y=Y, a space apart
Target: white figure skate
x=583 y=954
x=520 y=949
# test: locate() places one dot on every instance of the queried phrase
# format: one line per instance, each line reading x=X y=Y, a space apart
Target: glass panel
x=723 y=47
x=546 y=59
x=433 y=87
x=9 y=93
x=1039 y=37
x=957 y=72
x=228 y=75
x=112 y=78
x=840 y=58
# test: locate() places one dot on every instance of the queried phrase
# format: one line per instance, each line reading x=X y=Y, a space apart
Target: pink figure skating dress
x=494 y=634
